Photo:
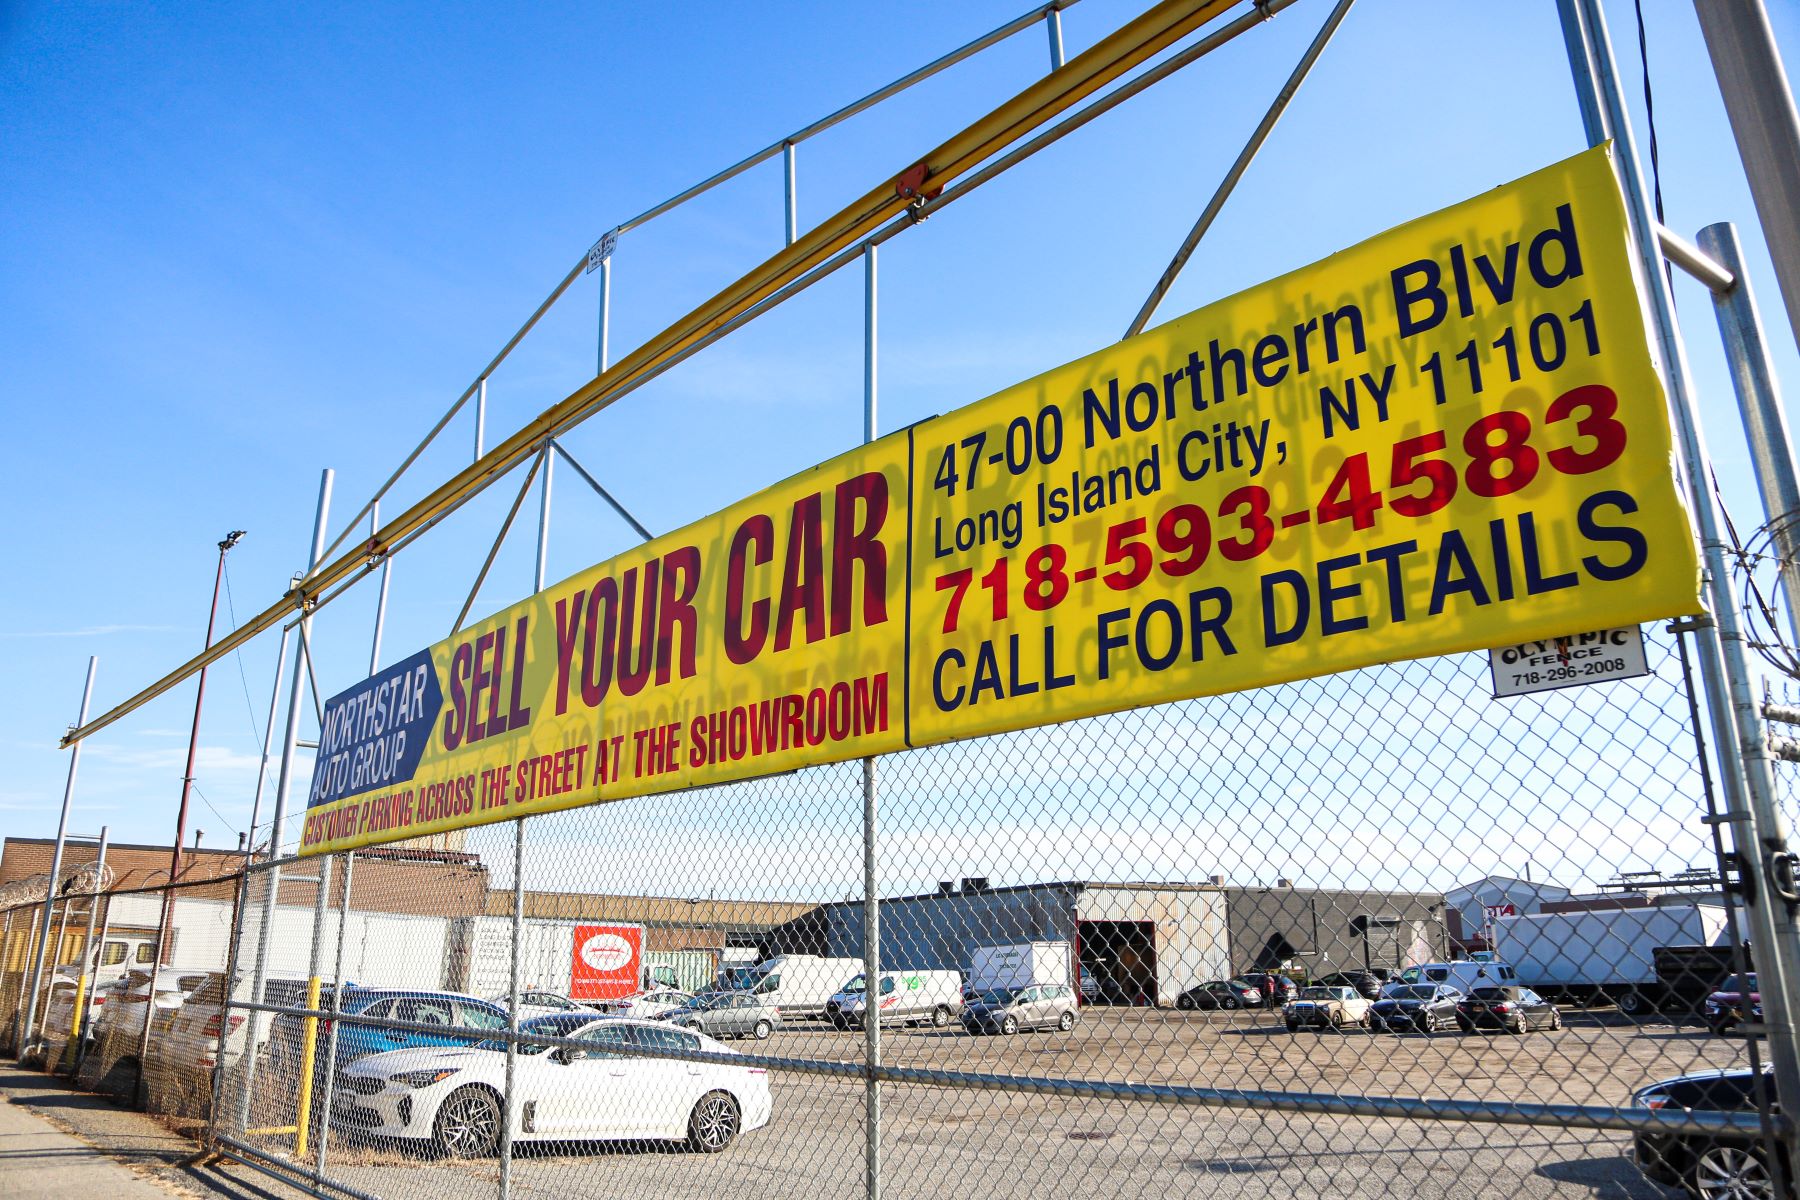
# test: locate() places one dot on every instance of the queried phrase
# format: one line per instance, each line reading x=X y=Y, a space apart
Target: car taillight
x=1655 y=1101
x=1503 y=1008
x=211 y=1028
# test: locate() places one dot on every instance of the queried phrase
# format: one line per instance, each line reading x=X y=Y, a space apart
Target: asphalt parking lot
x=962 y=1143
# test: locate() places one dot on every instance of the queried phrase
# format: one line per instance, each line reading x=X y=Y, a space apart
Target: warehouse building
x=1136 y=943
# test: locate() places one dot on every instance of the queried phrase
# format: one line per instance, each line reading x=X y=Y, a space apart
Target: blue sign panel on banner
x=374 y=734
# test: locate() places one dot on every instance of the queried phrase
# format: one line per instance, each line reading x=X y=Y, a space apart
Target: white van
x=1464 y=975
x=907 y=998
x=799 y=985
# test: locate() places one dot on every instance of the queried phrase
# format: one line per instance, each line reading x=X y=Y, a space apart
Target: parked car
x=1512 y=1009
x=1008 y=1010
x=653 y=1003
x=450 y=1097
x=1276 y=988
x=112 y=1062
x=1326 y=1007
x=1465 y=974
x=1367 y=984
x=183 y=1058
x=1706 y=1164
x=538 y=1003
x=1221 y=993
x=465 y=1020
x=1735 y=1001
x=1426 y=1007
x=729 y=1014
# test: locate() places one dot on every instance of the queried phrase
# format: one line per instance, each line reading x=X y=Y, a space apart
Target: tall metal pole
x=480 y=418
x=289 y=739
x=543 y=546
x=181 y=813
x=387 y=572
x=56 y=857
x=605 y=313
x=1758 y=830
x=793 y=203
x=309 y=1026
x=1759 y=400
x=1245 y=156
x=871 y=903
x=1053 y=24
x=262 y=766
x=1760 y=105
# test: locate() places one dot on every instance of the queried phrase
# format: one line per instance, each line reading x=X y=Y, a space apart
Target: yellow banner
x=1446 y=438
x=761 y=639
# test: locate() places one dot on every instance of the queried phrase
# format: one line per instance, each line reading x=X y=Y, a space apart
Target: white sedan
x=451 y=1096
x=653 y=1003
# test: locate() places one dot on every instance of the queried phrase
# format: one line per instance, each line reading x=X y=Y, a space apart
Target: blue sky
x=243 y=243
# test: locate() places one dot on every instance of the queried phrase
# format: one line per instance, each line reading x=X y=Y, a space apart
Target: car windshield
x=856 y=985
x=995 y=996
x=1318 y=993
x=1402 y=991
x=1735 y=983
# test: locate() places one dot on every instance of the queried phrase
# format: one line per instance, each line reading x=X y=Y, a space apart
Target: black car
x=1426 y=1007
x=1706 y=1163
x=1367 y=983
x=1221 y=993
x=1511 y=1009
x=1276 y=989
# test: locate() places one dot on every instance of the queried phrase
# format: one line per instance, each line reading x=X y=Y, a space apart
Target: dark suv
x=1720 y=1161
x=1367 y=983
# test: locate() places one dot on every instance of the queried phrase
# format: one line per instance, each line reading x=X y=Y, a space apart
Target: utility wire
x=249 y=704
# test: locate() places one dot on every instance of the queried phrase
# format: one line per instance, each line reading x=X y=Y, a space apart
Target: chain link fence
x=1375 y=932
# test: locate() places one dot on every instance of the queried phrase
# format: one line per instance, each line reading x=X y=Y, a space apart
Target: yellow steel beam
x=1126 y=47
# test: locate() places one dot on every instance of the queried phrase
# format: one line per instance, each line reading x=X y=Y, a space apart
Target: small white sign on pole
x=602 y=250
x=1596 y=657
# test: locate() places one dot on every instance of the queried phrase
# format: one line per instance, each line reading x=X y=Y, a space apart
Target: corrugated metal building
x=1137 y=943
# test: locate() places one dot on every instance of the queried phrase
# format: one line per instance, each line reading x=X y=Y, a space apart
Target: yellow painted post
x=70 y=1047
x=308 y=1026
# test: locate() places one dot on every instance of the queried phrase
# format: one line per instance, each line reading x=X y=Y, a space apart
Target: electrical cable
x=243 y=677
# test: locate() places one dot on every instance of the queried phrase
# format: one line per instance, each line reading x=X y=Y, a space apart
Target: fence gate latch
x=1784 y=880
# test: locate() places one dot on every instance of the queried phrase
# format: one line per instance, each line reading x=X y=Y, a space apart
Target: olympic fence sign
x=1447 y=438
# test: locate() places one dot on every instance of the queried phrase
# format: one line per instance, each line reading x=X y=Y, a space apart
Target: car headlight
x=419 y=1079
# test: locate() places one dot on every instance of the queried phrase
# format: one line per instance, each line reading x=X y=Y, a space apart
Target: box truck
x=1020 y=964
x=1607 y=956
x=800 y=985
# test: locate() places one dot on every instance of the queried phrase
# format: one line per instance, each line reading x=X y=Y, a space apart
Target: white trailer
x=1021 y=964
x=1607 y=955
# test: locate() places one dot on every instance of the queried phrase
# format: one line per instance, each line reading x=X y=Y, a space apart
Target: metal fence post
x=337 y=1009
x=229 y=987
x=605 y=312
x=309 y=1026
x=1053 y=25
x=21 y=1041
x=871 y=904
x=508 y=1102
x=381 y=598
x=793 y=204
x=480 y=417
x=1740 y=741
x=284 y=778
x=88 y=954
x=1759 y=400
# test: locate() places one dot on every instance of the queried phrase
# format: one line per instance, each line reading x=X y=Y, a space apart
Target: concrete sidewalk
x=61 y=1144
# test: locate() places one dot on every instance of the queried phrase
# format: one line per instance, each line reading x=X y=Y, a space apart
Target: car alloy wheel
x=1230 y=1002
x=1010 y=1025
x=940 y=1016
x=1184 y=1002
x=1067 y=1021
x=762 y=1030
x=714 y=1123
x=468 y=1124
x=1731 y=1173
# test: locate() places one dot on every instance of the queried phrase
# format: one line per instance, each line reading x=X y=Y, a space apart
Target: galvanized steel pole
x=871 y=905
x=793 y=204
x=83 y=991
x=337 y=1010
x=56 y=857
x=605 y=313
x=289 y=739
x=262 y=766
x=1759 y=400
x=381 y=599
x=1757 y=827
x=1053 y=25
x=1760 y=105
x=508 y=1105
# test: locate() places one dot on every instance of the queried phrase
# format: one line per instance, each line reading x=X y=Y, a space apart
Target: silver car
x=1008 y=1010
x=729 y=1014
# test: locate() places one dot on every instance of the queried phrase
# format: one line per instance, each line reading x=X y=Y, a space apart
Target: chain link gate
x=1090 y=935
